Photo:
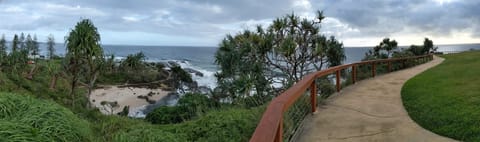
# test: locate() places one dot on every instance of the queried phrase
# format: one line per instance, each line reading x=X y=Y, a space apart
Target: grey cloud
x=383 y=17
x=207 y=18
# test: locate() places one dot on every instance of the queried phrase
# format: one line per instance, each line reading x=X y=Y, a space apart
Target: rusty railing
x=270 y=127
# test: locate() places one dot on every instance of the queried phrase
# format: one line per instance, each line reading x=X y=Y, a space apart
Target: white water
x=208 y=80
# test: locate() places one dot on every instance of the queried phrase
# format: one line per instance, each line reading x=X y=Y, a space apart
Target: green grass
x=446 y=98
x=23 y=118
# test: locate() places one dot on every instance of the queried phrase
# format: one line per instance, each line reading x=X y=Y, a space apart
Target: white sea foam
x=208 y=78
x=137 y=112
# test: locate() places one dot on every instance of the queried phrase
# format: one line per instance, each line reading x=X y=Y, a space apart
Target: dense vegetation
x=23 y=118
x=49 y=99
x=389 y=49
x=290 y=48
x=445 y=99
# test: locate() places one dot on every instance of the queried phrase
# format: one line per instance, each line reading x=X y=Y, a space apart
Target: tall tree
x=18 y=57
x=36 y=46
x=428 y=46
x=29 y=45
x=3 y=49
x=84 y=55
x=22 y=41
x=15 y=43
x=51 y=46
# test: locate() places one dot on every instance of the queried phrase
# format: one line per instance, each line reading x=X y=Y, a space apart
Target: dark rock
x=150 y=101
x=150 y=94
x=204 y=90
x=169 y=100
x=173 y=63
x=197 y=73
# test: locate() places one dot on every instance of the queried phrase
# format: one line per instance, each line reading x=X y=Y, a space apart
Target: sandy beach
x=127 y=96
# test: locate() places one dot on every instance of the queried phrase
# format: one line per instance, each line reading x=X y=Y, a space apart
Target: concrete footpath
x=371 y=110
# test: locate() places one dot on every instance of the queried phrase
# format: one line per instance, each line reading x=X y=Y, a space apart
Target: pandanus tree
x=384 y=49
x=241 y=59
x=290 y=48
x=133 y=62
x=386 y=45
x=422 y=50
x=84 y=56
x=298 y=48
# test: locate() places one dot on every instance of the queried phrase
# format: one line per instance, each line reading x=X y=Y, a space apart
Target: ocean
x=202 y=58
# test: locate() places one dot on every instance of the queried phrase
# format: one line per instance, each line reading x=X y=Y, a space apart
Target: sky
x=207 y=22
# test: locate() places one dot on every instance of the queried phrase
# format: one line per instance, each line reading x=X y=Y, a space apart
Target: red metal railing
x=270 y=127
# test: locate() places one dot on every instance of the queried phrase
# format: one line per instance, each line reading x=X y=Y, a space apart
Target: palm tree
x=133 y=62
x=84 y=55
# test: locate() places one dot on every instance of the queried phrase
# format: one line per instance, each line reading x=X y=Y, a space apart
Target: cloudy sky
x=206 y=22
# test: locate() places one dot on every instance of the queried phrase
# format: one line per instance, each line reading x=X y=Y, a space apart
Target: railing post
x=279 y=136
x=374 y=69
x=354 y=74
x=338 y=80
x=313 y=95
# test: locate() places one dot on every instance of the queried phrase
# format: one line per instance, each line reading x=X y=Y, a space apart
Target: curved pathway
x=371 y=110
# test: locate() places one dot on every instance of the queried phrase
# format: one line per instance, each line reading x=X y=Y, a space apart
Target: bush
x=197 y=104
x=231 y=124
x=147 y=134
x=325 y=87
x=188 y=107
x=167 y=115
x=23 y=118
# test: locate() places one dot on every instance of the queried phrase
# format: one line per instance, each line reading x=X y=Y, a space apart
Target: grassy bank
x=29 y=111
x=446 y=98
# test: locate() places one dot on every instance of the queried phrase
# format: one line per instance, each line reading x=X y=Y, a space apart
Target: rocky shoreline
x=142 y=98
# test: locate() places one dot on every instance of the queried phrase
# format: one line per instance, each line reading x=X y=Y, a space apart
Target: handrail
x=270 y=127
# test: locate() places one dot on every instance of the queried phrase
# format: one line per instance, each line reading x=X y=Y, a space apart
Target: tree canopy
x=84 y=54
x=291 y=47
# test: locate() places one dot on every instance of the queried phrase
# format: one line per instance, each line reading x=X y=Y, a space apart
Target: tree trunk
x=53 y=82
x=91 y=84
x=30 y=74
x=72 y=91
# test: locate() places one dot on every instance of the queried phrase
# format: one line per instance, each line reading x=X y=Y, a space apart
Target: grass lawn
x=446 y=98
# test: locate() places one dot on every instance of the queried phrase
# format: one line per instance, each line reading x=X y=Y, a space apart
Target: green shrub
x=188 y=107
x=197 y=104
x=23 y=117
x=147 y=134
x=325 y=87
x=167 y=115
x=231 y=124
